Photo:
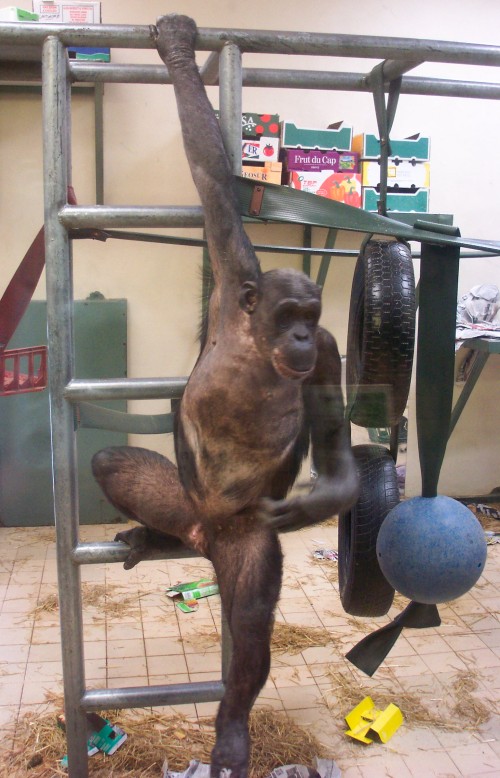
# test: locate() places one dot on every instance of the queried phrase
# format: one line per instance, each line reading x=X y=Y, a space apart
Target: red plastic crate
x=23 y=370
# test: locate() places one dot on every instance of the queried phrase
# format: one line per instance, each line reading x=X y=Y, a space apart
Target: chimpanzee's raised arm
x=231 y=252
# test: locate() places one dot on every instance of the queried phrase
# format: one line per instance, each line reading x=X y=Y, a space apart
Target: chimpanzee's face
x=285 y=322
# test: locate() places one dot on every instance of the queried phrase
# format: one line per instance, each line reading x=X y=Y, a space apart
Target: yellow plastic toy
x=366 y=720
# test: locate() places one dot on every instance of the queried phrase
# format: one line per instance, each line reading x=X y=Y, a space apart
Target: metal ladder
x=65 y=391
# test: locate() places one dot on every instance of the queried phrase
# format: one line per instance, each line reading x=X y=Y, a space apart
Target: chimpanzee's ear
x=248 y=296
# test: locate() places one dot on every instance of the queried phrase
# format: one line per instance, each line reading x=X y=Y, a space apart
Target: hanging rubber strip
x=90 y=416
x=282 y=204
x=19 y=292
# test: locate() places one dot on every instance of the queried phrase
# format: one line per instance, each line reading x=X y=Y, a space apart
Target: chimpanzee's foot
x=176 y=38
x=145 y=544
x=231 y=751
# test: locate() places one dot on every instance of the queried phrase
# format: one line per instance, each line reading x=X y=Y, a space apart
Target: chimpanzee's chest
x=234 y=436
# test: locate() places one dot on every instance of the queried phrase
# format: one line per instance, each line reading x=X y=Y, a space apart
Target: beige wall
x=145 y=164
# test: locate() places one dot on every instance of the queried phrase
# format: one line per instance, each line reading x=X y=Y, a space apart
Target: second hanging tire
x=364 y=591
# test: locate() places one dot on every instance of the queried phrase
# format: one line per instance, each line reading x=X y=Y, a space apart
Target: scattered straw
x=466 y=705
x=152 y=737
x=456 y=712
x=103 y=597
x=286 y=639
x=293 y=638
x=49 y=604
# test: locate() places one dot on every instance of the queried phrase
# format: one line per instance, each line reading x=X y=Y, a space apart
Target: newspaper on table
x=325 y=768
x=477 y=314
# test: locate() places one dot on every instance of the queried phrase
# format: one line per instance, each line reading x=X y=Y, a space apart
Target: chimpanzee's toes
x=137 y=539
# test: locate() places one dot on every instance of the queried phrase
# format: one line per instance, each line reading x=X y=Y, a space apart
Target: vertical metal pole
x=99 y=142
x=331 y=238
x=435 y=358
x=230 y=102
x=56 y=87
x=307 y=243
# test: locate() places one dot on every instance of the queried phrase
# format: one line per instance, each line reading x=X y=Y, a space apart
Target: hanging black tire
x=363 y=589
x=381 y=334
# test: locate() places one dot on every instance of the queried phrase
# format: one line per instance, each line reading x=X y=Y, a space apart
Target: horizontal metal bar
x=112 y=35
x=110 y=551
x=122 y=74
x=263 y=41
x=147 y=696
x=394 y=68
x=102 y=216
x=357 y=82
x=87 y=72
x=442 y=87
x=80 y=389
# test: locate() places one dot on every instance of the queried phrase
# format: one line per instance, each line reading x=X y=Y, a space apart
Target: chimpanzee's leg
x=248 y=562
x=145 y=486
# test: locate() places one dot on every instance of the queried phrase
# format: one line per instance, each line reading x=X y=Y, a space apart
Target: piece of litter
x=492 y=537
x=326 y=553
x=185 y=595
x=294 y=771
x=487 y=510
x=365 y=721
x=102 y=736
x=325 y=768
x=196 y=769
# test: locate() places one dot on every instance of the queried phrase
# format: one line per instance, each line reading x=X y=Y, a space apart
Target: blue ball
x=431 y=549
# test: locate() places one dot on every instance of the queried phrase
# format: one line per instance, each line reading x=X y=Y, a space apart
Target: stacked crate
x=320 y=161
x=260 y=139
x=408 y=174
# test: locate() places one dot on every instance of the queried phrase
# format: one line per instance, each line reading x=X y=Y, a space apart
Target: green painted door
x=25 y=457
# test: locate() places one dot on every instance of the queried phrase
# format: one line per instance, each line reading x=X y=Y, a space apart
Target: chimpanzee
x=266 y=384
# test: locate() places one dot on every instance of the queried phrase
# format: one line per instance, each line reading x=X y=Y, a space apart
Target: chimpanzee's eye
x=284 y=320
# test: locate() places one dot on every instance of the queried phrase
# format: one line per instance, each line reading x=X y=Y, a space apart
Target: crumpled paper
x=476 y=312
x=325 y=768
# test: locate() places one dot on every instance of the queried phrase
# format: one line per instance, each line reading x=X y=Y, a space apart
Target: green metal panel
x=25 y=458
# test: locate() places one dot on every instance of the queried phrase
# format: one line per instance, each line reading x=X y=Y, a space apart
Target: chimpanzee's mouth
x=289 y=372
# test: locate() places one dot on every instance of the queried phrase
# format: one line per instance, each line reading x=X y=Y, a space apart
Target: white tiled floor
x=142 y=645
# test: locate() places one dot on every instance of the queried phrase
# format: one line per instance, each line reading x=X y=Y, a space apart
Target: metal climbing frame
x=223 y=66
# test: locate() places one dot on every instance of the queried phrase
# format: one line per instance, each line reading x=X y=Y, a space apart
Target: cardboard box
x=13 y=14
x=400 y=201
x=316 y=159
x=343 y=187
x=73 y=12
x=270 y=172
x=337 y=137
x=417 y=147
x=68 y=11
x=256 y=125
x=401 y=174
x=261 y=150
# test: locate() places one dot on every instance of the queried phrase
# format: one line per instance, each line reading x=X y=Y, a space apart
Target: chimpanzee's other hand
x=328 y=497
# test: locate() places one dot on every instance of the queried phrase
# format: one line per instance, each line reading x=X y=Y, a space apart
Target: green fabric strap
x=281 y=203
